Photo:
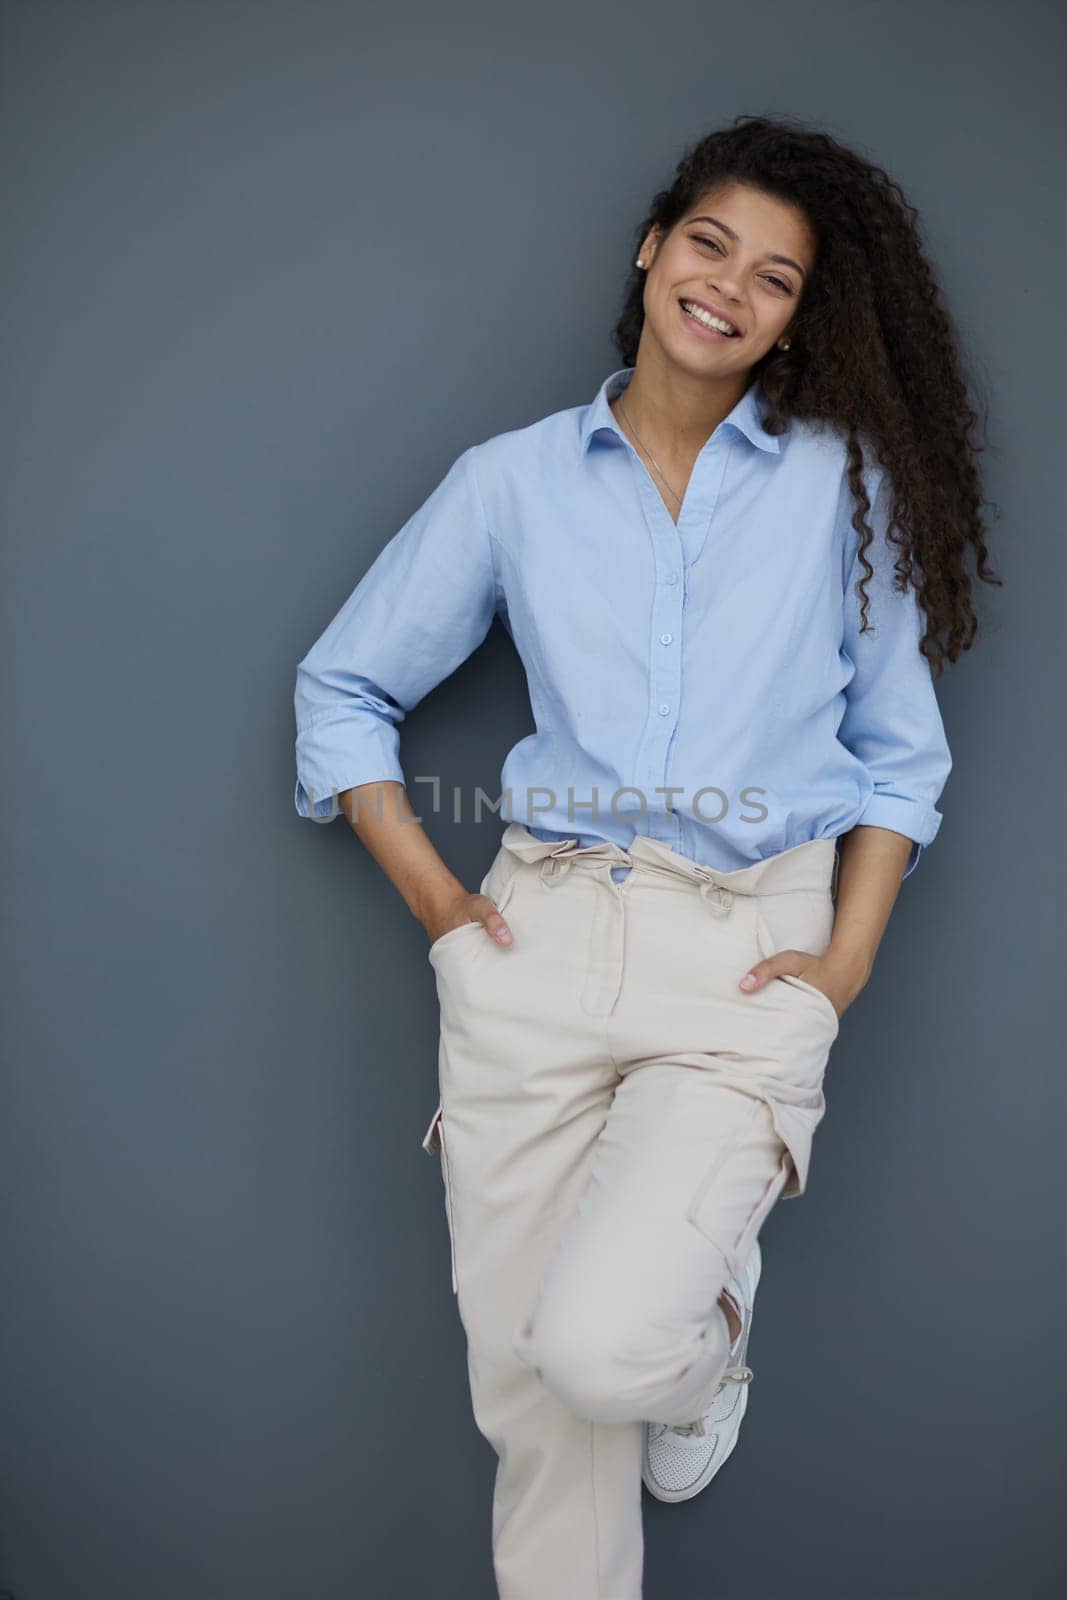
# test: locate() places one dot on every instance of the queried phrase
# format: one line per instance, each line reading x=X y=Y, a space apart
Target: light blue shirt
x=704 y=684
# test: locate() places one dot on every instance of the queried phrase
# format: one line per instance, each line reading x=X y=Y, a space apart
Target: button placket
x=664 y=680
x=675 y=546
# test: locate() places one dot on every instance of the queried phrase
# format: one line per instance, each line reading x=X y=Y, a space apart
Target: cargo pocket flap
x=431 y=1140
x=716 y=1219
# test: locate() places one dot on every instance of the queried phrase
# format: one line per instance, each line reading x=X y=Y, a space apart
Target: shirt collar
x=745 y=416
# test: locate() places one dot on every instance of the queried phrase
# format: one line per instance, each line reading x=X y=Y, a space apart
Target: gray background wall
x=268 y=268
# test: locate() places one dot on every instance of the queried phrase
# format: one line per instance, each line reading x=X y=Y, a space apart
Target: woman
x=731 y=579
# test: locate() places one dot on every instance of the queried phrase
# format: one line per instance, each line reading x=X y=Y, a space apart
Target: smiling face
x=725 y=284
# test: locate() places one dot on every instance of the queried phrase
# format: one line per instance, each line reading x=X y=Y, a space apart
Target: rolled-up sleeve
x=423 y=606
x=892 y=722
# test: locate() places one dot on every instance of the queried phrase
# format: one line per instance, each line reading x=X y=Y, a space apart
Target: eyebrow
x=787 y=261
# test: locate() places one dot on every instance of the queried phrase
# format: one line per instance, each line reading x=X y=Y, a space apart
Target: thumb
x=764 y=971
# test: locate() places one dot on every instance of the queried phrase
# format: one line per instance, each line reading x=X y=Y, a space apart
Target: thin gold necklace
x=647 y=451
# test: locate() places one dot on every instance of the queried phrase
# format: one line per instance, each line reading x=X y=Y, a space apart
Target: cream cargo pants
x=616 y=1120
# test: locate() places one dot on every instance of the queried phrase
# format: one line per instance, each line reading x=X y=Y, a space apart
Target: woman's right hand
x=395 y=837
x=468 y=908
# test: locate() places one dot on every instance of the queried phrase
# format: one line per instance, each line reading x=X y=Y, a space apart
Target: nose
x=726 y=288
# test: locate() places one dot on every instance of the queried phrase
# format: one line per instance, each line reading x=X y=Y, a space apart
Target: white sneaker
x=678 y=1461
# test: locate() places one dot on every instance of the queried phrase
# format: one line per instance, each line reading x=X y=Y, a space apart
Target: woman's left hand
x=838 y=979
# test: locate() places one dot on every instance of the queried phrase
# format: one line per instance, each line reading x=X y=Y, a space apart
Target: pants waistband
x=809 y=867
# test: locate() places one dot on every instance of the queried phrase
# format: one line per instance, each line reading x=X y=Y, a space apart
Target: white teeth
x=700 y=315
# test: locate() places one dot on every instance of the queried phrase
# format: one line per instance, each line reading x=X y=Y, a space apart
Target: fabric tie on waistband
x=559 y=860
x=719 y=899
x=801 y=869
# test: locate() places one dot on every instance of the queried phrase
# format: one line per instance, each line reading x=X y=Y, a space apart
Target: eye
x=700 y=238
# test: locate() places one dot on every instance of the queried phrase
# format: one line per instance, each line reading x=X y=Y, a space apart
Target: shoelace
x=738 y=1373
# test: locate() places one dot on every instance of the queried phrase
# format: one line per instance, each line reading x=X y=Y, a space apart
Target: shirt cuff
x=917 y=820
x=332 y=755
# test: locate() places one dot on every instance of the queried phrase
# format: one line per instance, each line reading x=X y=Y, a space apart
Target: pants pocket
x=500 y=881
x=735 y=1196
x=498 y=884
x=455 y=935
x=814 y=940
x=434 y=1141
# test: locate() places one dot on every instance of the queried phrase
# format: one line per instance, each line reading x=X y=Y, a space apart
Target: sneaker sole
x=715 y=1466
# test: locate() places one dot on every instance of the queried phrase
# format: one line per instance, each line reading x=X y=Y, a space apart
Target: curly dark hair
x=873 y=351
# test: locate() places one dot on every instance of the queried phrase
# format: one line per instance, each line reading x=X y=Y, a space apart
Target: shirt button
x=664 y=710
x=672 y=577
x=665 y=638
